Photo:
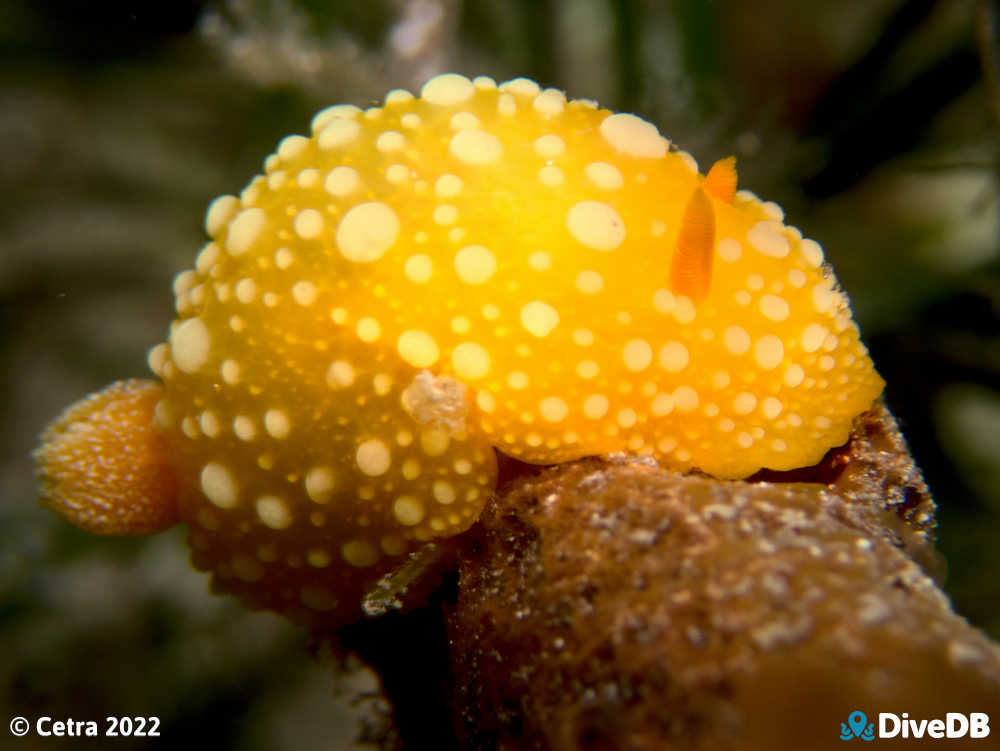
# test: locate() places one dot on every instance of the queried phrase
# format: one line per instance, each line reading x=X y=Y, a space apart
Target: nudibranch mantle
x=479 y=267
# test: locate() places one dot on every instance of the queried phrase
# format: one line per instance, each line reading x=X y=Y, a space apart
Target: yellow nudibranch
x=417 y=284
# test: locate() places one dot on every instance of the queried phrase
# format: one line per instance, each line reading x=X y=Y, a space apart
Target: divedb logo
x=953 y=725
x=857 y=726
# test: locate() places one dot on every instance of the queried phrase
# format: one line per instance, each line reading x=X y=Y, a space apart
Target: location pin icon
x=857 y=721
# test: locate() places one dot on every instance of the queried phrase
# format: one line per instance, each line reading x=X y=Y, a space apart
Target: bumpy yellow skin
x=478 y=267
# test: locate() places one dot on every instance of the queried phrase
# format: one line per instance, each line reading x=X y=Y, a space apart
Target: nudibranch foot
x=104 y=467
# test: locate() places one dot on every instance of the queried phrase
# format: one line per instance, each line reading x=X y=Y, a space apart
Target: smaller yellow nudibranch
x=411 y=287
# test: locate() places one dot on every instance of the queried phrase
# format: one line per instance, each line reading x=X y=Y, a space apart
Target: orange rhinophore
x=691 y=267
x=721 y=180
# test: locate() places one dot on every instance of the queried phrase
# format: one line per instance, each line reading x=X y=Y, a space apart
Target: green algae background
x=870 y=121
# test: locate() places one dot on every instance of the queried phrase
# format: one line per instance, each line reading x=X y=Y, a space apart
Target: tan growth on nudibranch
x=479 y=267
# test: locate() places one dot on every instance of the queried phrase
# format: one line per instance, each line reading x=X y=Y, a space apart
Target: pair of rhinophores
x=416 y=285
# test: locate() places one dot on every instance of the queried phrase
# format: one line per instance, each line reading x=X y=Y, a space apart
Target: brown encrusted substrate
x=875 y=473
x=613 y=605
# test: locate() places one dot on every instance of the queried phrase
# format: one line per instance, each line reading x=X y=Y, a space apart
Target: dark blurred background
x=875 y=123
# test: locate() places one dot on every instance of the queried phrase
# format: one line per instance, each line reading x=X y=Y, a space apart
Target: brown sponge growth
x=614 y=605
